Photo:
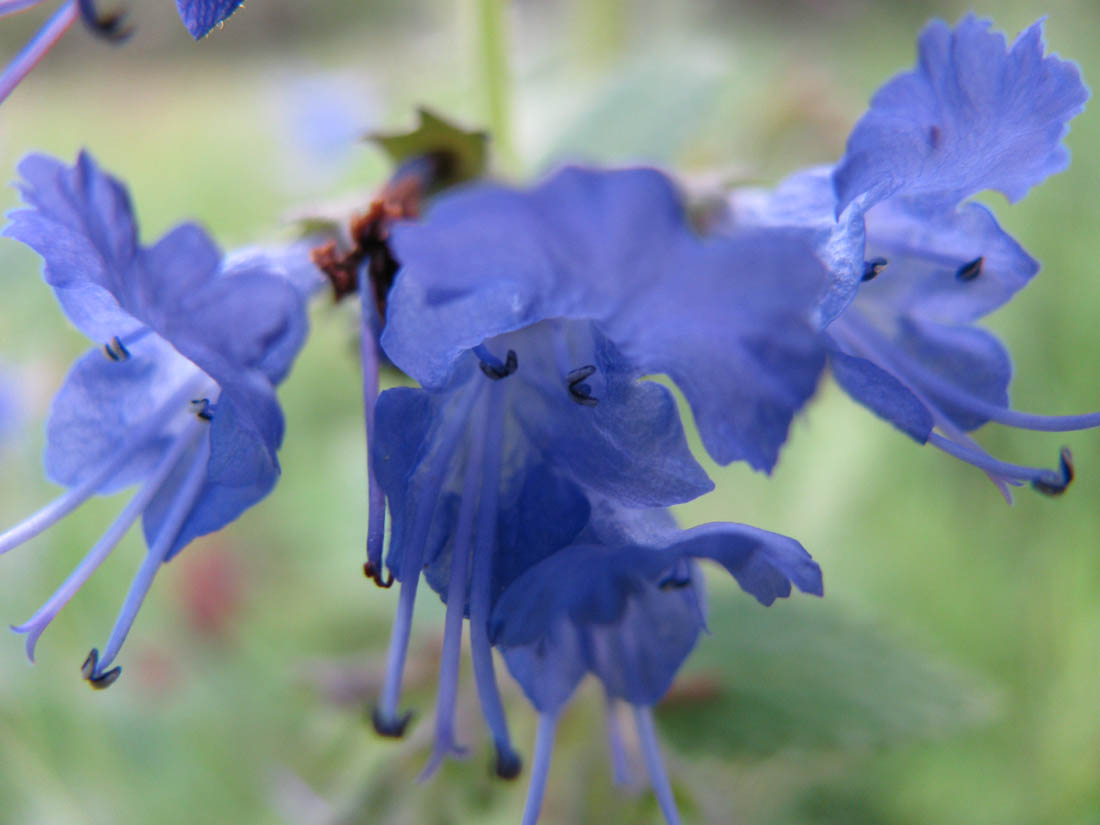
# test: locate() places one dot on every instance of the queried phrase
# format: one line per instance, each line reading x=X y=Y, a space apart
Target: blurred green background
x=950 y=676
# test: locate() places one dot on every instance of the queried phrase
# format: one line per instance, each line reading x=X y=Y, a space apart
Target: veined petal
x=102 y=405
x=201 y=16
x=882 y=394
x=973 y=115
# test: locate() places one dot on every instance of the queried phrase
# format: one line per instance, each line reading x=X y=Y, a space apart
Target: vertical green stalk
x=491 y=38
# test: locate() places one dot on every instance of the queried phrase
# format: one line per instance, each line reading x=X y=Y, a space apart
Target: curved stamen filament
x=508 y=762
x=75 y=496
x=98 y=554
x=620 y=768
x=386 y=719
x=376 y=499
x=540 y=767
x=12 y=6
x=35 y=50
x=456 y=602
x=1046 y=479
x=643 y=720
x=177 y=514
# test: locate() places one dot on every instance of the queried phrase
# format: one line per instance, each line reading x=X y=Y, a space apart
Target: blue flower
x=623 y=601
x=180 y=399
x=530 y=320
x=200 y=17
x=910 y=268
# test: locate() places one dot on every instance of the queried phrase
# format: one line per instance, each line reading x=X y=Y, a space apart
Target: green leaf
x=465 y=151
x=805 y=674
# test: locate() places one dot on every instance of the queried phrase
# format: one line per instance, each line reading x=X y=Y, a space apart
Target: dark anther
x=203 y=408
x=390 y=728
x=115 y=350
x=497 y=371
x=872 y=268
x=578 y=390
x=374 y=573
x=103 y=680
x=674 y=582
x=970 y=270
x=508 y=764
x=110 y=25
x=1054 y=484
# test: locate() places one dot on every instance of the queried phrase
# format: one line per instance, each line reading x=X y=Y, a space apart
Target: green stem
x=494 y=70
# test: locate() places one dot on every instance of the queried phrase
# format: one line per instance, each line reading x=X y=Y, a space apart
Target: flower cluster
x=528 y=477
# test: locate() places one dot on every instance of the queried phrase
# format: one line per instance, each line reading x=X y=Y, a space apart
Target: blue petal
x=550 y=671
x=80 y=221
x=735 y=334
x=973 y=115
x=200 y=16
x=925 y=252
x=101 y=405
x=806 y=202
x=882 y=394
x=763 y=563
x=968 y=358
x=242 y=470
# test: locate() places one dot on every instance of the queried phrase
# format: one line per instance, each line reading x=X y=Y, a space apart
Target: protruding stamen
x=492 y=366
x=970 y=270
x=540 y=767
x=456 y=602
x=643 y=720
x=116 y=350
x=872 y=268
x=35 y=626
x=376 y=498
x=99 y=681
x=508 y=764
x=12 y=6
x=1055 y=485
x=109 y=25
x=620 y=769
x=178 y=511
x=202 y=408
x=492 y=709
x=375 y=573
x=69 y=501
x=34 y=51
x=392 y=727
x=578 y=390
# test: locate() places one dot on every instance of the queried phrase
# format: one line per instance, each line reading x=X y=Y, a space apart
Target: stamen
x=540 y=768
x=1050 y=486
x=376 y=498
x=42 y=42
x=202 y=408
x=620 y=769
x=102 y=548
x=386 y=719
x=103 y=680
x=115 y=350
x=456 y=604
x=75 y=496
x=1049 y=482
x=508 y=762
x=643 y=720
x=109 y=26
x=12 y=6
x=180 y=509
x=578 y=390
x=970 y=270
x=872 y=268
x=492 y=366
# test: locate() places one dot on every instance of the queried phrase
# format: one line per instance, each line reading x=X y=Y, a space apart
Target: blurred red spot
x=211 y=588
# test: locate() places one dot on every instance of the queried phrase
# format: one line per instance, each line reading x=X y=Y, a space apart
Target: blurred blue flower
x=200 y=17
x=530 y=319
x=180 y=399
x=623 y=600
x=910 y=268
